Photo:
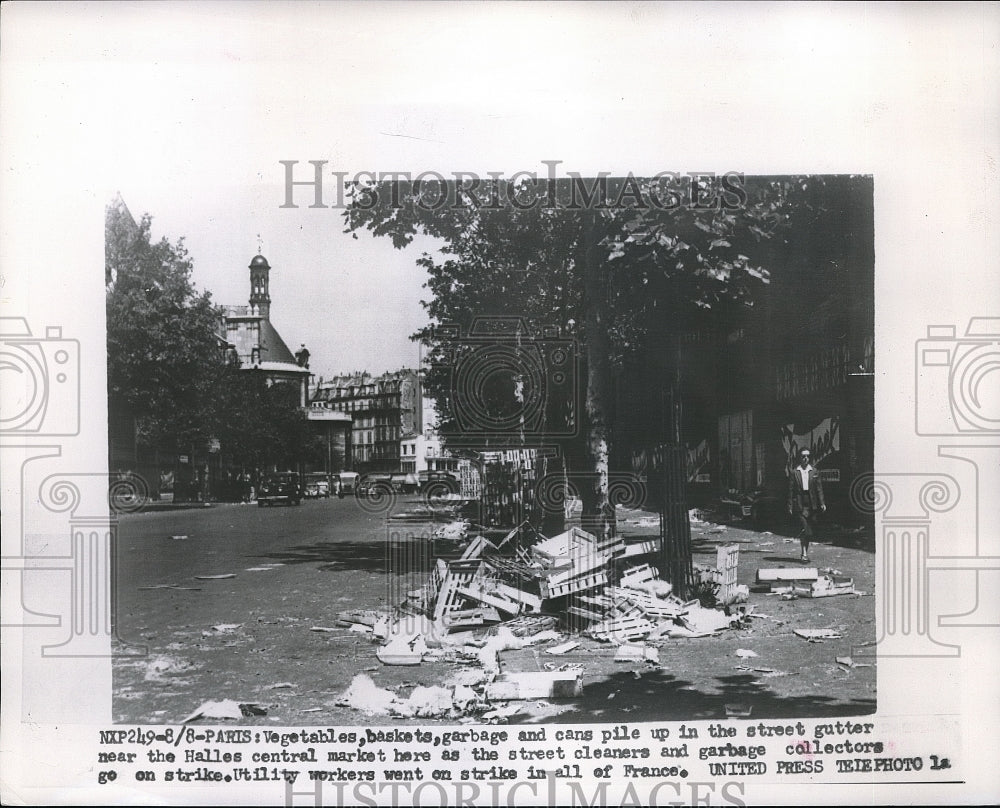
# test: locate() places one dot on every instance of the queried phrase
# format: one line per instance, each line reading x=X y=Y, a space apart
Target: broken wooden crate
x=776 y=579
x=825 y=586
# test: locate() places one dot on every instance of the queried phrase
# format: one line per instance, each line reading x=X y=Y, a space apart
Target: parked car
x=439 y=482
x=282 y=487
x=405 y=483
x=348 y=480
x=374 y=484
x=317 y=485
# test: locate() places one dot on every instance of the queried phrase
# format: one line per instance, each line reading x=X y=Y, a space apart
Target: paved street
x=251 y=638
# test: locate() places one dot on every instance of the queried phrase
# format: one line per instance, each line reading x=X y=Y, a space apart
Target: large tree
x=165 y=359
x=596 y=259
x=261 y=424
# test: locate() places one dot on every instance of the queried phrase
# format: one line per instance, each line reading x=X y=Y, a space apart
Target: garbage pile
x=574 y=575
x=552 y=594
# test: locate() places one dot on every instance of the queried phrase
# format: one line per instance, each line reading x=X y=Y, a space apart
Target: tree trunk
x=598 y=513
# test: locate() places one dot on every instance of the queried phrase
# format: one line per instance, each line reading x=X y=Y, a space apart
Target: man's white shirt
x=804 y=474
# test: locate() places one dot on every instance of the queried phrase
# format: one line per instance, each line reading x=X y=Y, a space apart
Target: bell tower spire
x=260 y=298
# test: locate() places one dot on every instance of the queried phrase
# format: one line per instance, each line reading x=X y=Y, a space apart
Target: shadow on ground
x=397 y=557
x=659 y=696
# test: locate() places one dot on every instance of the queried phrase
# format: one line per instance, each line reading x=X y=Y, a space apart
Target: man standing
x=805 y=495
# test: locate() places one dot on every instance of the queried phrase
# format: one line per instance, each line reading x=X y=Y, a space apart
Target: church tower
x=260 y=298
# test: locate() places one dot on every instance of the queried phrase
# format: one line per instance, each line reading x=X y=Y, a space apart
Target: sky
x=218 y=95
x=352 y=302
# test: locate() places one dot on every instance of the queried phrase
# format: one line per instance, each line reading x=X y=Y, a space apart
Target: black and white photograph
x=623 y=478
x=499 y=403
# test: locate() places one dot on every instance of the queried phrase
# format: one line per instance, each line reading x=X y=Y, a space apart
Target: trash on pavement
x=817 y=634
x=225 y=709
x=170 y=586
x=403 y=650
x=564 y=648
x=848 y=662
x=226 y=628
x=364 y=695
x=637 y=652
x=536 y=685
x=500 y=713
x=827 y=586
x=787 y=574
x=215 y=577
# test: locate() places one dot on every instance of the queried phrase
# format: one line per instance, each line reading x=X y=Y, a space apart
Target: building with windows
x=425 y=453
x=383 y=409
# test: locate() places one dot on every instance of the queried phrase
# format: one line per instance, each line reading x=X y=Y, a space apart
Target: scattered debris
x=179 y=538
x=325 y=629
x=817 y=634
x=566 y=647
x=161 y=666
x=632 y=652
x=848 y=662
x=225 y=709
x=424 y=702
x=788 y=574
x=507 y=711
x=171 y=586
x=536 y=685
x=403 y=650
x=739 y=710
x=280 y=686
x=827 y=586
x=215 y=577
x=364 y=695
x=527 y=590
x=427 y=702
x=227 y=628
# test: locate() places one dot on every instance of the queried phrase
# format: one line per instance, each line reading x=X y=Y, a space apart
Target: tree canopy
x=600 y=260
x=164 y=354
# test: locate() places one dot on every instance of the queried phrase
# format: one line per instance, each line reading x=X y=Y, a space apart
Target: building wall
x=244 y=334
x=383 y=409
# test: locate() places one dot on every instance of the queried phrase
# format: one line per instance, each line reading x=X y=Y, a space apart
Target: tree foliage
x=263 y=424
x=164 y=353
x=603 y=261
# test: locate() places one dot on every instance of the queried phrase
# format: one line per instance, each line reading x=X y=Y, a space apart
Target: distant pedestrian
x=805 y=497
